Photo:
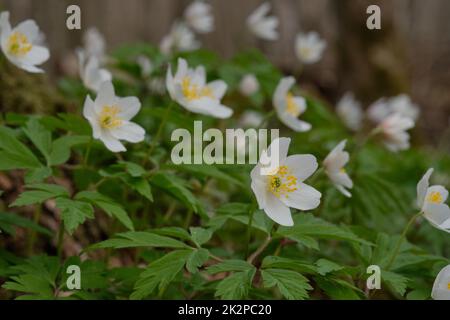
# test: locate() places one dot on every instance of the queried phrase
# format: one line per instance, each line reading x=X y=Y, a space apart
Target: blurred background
x=410 y=54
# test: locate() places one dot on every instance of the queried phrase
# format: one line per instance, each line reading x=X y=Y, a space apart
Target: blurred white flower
x=21 y=45
x=350 y=112
x=334 y=167
x=188 y=87
x=284 y=189
x=94 y=44
x=180 y=38
x=309 y=47
x=249 y=85
x=90 y=72
x=110 y=117
x=401 y=104
x=251 y=119
x=262 y=25
x=441 y=286
x=157 y=85
x=431 y=201
x=289 y=107
x=145 y=64
x=378 y=111
x=394 y=129
x=199 y=17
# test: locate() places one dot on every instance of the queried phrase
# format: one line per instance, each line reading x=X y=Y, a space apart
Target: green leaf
x=308 y=225
x=141 y=185
x=41 y=193
x=395 y=281
x=200 y=235
x=40 y=136
x=61 y=148
x=175 y=186
x=275 y=262
x=325 y=266
x=160 y=273
x=175 y=232
x=14 y=154
x=133 y=169
x=74 y=212
x=37 y=175
x=338 y=289
x=12 y=219
x=235 y=286
x=230 y=265
x=135 y=239
x=292 y=285
x=207 y=171
x=107 y=205
x=196 y=259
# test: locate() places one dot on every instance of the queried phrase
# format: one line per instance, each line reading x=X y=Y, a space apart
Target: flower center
x=291 y=107
x=435 y=197
x=109 y=117
x=448 y=286
x=193 y=91
x=18 y=44
x=282 y=182
x=305 y=52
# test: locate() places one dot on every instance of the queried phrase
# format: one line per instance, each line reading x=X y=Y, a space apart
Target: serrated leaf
x=207 y=171
x=325 y=266
x=200 y=235
x=141 y=185
x=40 y=136
x=235 y=286
x=175 y=186
x=135 y=239
x=230 y=265
x=338 y=289
x=196 y=259
x=275 y=262
x=107 y=205
x=396 y=281
x=61 y=148
x=292 y=285
x=12 y=219
x=160 y=273
x=74 y=212
x=175 y=232
x=14 y=154
x=41 y=193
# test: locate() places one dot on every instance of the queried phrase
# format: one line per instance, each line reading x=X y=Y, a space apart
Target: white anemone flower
x=198 y=16
x=262 y=25
x=21 y=45
x=145 y=64
x=290 y=107
x=431 y=201
x=251 y=119
x=110 y=117
x=90 y=72
x=350 y=112
x=402 y=104
x=441 y=286
x=94 y=44
x=181 y=38
x=249 y=85
x=394 y=129
x=188 y=87
x=284 y=187
x=334 y=167
x=309 y=47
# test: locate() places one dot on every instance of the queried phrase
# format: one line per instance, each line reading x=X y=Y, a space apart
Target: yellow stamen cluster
x=291 y=107
x=109 y=117
x=282 y=183
x=448 y=286
x=18 y=44
x=435 y=197
x=192 y=91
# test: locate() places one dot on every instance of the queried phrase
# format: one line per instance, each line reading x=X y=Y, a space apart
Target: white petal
x=129 y=107
x=279 y=97
x=129 y=131
x=29 y=68
x=295 y=124
x=106 y=96
x=437 y=214
x=218 y=88
x=302 y=165
x=440 y=289
x=111 y=143
x=344 y=191
x=304 y=198
x=422 y=187
x=29 y=28
x=260 y=190
x=278 y=212
x=280 y=147
x=36 y=56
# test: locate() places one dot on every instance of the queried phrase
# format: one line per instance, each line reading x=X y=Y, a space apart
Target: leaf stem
x=260 y=249
x=400 y=241
x=32 y=239
x=60 y=239
x=87 y=153
x=158 y=133
x=249 y=228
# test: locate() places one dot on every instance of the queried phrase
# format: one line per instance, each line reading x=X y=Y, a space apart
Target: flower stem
x=249 y=228
x=87 y=153
x=158 y=133
x=32 y=239
x=266 y=119
x=60 y=240
x=260 y=249
x=400 y=241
